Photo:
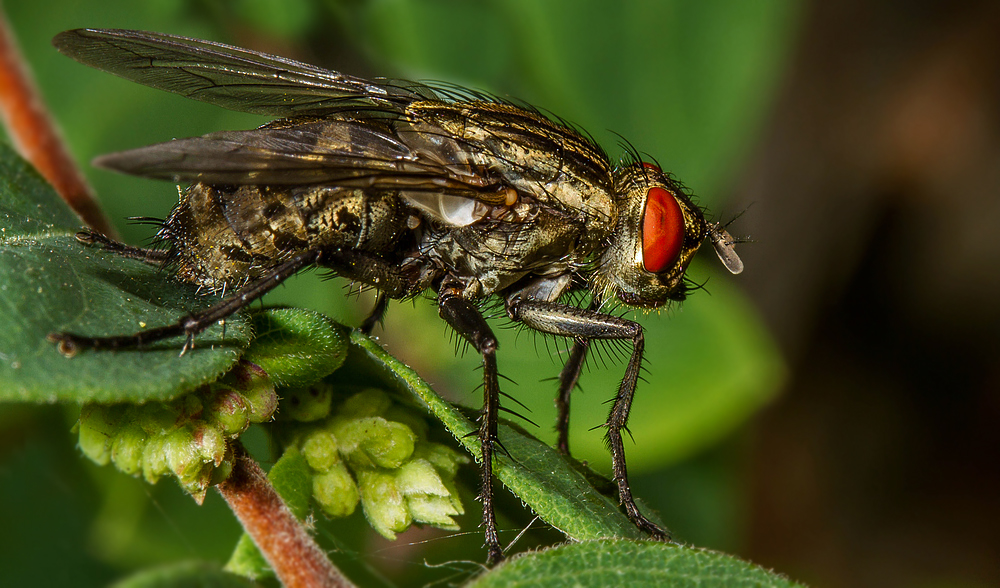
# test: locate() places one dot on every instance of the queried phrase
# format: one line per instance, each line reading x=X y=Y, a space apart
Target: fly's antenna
x=724 y=247
x=724 y=243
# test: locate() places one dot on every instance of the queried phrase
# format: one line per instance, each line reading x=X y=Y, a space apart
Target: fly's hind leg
x=69 y=344
x=586 y=324
x=150 y=256
x=348 y=262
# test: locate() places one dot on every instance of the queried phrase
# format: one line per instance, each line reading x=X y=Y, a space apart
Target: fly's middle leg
x=470 y=324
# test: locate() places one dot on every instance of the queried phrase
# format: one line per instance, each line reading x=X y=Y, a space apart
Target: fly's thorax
x=225 y=236
x=548 y=162
x=657 y=235
x=503 y=246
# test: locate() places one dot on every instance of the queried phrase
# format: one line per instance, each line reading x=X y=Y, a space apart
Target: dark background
x=880 y=172
x=861 y=137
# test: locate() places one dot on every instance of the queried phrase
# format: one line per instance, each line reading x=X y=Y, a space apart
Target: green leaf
x=292 y=480
x=296 y=347
x=50 y=282
x=28 y=204
x=629 y=563
x=538 y=475
x=185 y=575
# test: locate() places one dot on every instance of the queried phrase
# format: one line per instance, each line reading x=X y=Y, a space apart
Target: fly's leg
x=470 y=324
x=584 y=324
x=377 y=314
x=151 y=256
x=345 y=262
x=568 y=378
x=69 y=343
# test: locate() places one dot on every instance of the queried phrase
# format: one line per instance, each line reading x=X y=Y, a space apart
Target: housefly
x=406 y=187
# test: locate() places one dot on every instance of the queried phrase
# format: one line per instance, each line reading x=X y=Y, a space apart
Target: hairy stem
x=296 y=559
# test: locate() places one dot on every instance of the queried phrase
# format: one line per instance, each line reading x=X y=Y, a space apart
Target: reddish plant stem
x=36 y=138
x=294 y=556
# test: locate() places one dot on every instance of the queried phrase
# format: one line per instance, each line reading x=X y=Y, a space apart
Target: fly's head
x=659 y=231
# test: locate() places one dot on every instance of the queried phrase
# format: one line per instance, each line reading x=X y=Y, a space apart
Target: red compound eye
x=662 y=230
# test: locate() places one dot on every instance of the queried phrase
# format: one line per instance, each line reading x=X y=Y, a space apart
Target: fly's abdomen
x=225 y=236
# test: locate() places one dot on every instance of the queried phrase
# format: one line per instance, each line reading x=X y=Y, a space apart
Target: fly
x=405 y=188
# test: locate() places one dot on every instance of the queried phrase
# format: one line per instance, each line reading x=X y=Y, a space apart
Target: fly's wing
x=231 y=77
x=393 y=135
x=350 y=153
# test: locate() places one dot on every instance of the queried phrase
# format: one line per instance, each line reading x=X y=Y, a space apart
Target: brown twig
x=36 y=138
x=294 y=556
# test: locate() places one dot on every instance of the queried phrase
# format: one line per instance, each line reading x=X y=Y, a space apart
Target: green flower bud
x=257 y=390
x=375 y=450
x=190 y=448
x=307 y=404
x=383 y=503
x=374 y=442
x=221 y=473
x=156 y=417
x=411 y=419
x=434 y=510
x=227 y=409
x=390 y=449
x=418 y=476
x=198 y=486
x=319 y=447
x=335 y=491
x=444 y=459
x=367 y=403
x=127 y=448
x=429 y=498
x=211 y=443
x=189 y=407
x=154 y=458
x=98 y=425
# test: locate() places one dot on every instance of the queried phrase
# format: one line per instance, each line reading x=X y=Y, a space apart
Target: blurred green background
x=842 y=127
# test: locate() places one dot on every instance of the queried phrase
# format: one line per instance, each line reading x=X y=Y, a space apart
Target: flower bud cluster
x=186 y=437
x=371 y=450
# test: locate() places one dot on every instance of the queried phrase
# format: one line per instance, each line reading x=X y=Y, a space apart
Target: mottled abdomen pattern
x=222 y=237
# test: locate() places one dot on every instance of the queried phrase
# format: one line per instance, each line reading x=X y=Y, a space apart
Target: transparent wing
x=231 y=77
x=340 y=152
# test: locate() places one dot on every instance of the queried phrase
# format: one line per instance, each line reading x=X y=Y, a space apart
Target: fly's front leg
x=584 y=324
x=468 y=322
